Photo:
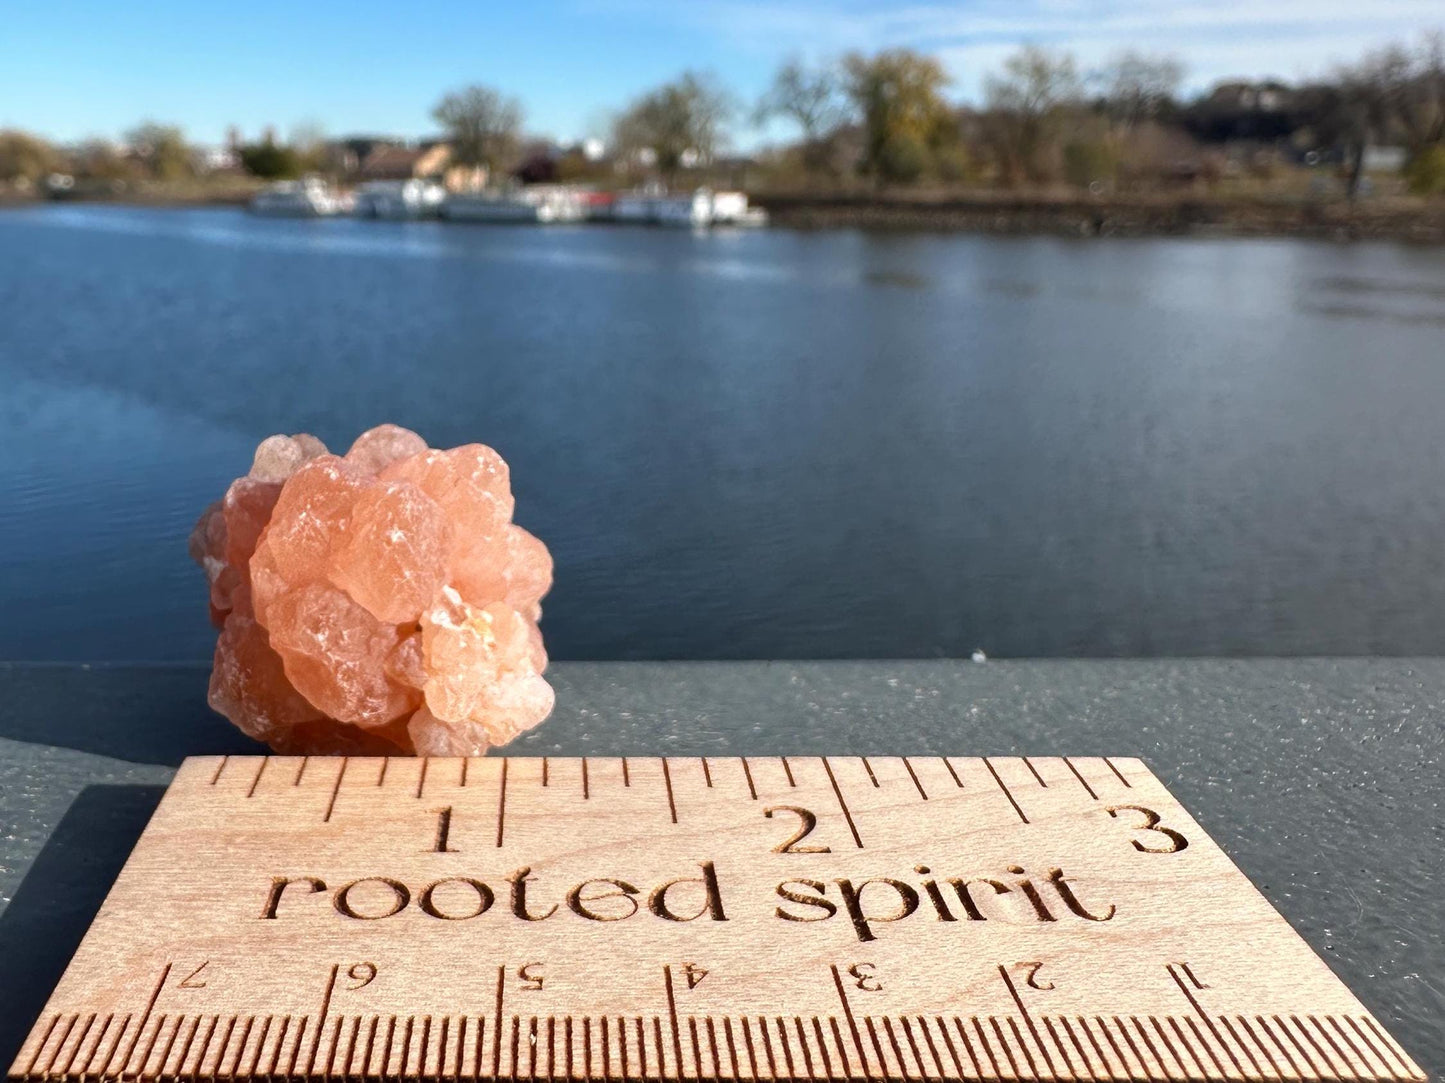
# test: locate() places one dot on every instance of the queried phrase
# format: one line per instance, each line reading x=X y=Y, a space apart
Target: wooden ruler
x=671 y=919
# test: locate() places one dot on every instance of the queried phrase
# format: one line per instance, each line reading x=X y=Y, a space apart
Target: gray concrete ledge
x=1321 y=778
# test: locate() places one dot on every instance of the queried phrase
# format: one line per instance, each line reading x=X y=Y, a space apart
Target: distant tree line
x=885 y=119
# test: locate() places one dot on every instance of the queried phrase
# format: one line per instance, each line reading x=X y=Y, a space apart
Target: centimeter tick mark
x=60 y=1045
x=672 y=1016
x=145 y=1017
x=1194 y=1003
x=1028 y=1019
x=852 y=1023
x=79 y=1041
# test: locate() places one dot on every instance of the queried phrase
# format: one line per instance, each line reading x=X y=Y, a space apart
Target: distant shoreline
x=1414 y=221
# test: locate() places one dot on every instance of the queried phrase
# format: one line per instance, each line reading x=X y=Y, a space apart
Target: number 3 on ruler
x=1151 y=823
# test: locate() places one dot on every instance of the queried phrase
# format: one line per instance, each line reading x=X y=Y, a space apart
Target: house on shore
x=366 y=159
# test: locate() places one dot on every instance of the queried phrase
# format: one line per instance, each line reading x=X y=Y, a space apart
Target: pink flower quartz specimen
x=378 y=602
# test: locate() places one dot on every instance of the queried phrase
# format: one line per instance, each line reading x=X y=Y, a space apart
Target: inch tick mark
x=837 y=792
x=748 y=774
x=259 y=772
x=914 y=776
x=331 y=805
x=1082 y=780
x=1035 y=772
x=502 y=805
x=1118 y=773
x=667 y=781
x=1006 y=792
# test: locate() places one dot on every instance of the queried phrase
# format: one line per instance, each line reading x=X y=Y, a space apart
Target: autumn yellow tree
x=897 y=96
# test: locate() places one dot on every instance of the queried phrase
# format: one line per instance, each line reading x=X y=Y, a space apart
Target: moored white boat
x=703 y=207
x=694 y=210
x=731 y=209
x=399 y=199
x=539 y=203
x=310 y=197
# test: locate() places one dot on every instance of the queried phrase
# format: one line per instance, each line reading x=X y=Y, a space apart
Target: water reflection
x=754 y=444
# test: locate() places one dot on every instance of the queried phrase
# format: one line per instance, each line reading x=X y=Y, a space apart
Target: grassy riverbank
x=1395 y=218
x=226 y=191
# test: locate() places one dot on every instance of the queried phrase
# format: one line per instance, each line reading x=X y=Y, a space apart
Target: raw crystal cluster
x=377 y=602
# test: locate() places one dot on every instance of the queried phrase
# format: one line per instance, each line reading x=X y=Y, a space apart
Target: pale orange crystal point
x=247 y=509
x=375 y=603
x=529 y=572
x=430 y=736
x=378 y=448
x=277 y=457
x=483 y=667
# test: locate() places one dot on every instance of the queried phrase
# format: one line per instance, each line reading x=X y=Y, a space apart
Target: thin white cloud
x=1215 y=38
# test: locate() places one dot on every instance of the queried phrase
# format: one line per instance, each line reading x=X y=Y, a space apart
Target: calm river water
x=765 y=444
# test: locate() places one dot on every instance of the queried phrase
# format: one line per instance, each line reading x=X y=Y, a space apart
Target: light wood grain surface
x=663 y=919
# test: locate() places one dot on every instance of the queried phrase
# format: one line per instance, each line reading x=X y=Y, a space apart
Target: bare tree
x=808 y=97
x=1393 y=94
x=483 y=125
x=1420 y=103
x=1138 y=86
x=1025 y=105
x=677 y=123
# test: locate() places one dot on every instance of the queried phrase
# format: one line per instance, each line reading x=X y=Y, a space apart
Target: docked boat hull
x=308 y=198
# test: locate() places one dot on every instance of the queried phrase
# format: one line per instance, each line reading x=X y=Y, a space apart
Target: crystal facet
x=378 y=602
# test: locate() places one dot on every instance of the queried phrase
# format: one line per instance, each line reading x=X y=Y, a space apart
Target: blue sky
x=71 y=69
